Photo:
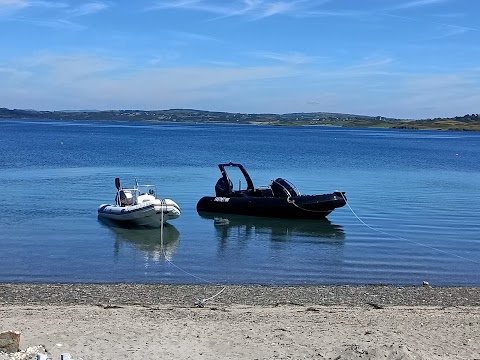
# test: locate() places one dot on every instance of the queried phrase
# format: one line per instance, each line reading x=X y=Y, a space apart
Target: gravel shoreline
x=191 y=295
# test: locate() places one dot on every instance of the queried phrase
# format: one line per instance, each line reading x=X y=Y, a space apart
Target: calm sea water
x=414 y=198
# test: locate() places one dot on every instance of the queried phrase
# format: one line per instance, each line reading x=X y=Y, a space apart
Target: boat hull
x=149 y=213
x=297 y=207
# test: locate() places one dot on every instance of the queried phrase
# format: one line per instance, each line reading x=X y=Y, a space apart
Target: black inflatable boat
x=281 y=199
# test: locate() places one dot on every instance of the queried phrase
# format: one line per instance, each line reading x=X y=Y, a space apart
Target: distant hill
x=466 y=122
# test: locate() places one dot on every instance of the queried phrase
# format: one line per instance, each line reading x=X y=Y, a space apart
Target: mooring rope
x=199 y=302
x=405 y=239
x=292 y=201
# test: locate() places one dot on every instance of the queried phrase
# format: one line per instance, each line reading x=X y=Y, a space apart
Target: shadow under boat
x=322 y=231
x=156 y=243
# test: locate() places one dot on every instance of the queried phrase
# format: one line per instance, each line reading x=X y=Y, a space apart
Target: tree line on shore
x=465 y=122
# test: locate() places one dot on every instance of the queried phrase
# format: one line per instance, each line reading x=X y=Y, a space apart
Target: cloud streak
x=292 y=58
x=13 y=3
x=418 y=3
x=8 y=7
x=87 y=9
x=445 y=30
x=103 y=82
x=80 y=80
x=48 y=13
x=252 y=9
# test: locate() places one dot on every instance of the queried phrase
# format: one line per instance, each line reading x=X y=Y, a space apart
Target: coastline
x=444 y=124
x=148 y=321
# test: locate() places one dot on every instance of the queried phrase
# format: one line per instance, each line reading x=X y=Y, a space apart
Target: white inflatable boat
x=139 y=206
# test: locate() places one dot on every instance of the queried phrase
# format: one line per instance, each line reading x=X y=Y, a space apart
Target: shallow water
x=414 y=201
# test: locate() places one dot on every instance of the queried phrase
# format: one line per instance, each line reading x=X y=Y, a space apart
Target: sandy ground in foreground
x=245 y=332
x=142 y=322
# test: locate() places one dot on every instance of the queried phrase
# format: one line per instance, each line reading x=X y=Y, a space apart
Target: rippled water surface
x=414 y=200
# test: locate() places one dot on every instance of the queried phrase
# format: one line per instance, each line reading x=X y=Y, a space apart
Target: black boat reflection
x=319 y=231
x=155 y=243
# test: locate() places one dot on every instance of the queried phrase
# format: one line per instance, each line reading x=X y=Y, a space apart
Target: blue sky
x=396 y=58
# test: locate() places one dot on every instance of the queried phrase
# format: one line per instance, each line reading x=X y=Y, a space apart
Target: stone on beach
x=10 y=341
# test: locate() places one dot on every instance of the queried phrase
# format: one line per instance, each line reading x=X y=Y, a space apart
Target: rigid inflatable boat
x=280 y=199
x=139 y=206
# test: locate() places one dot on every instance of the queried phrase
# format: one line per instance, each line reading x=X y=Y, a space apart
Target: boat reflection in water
x=155 y=243
x=279 y=230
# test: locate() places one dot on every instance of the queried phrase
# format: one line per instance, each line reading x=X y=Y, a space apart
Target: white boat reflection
x=318 y=231
x=156 y=244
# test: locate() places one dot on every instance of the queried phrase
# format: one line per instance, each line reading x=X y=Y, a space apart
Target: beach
x=134 y=321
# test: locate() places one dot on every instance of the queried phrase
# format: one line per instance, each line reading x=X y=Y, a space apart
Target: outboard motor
x=222 y=189
x=283 y=188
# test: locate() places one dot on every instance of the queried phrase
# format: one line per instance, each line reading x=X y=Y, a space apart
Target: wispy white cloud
x=11 y=73
x=260 y=9
x=68 y=68
x=293 y=58
x=11 y=6
x=413 y=95
x=230 y=64
x=333 y=13
x=449 y=15
x=54 y=14
x=426 y=83
x=80 y=10
x=418 y=3
x=81 y=80
x=452 y=30
x=373 y=61
x=193 y=36
x=365 y=67
x=277 y=8
x=165 y=58
x=443 y=29
x=193 y=5
x=49 y=4
x=59 y=24
x=13 y=3
x=252 y=9
x=438 y=95
x=87 y=9
x=50 y=13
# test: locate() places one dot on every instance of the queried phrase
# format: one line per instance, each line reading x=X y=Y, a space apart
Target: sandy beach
x=124 y=321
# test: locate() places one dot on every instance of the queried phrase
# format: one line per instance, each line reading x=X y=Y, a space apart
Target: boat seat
x=126 y=197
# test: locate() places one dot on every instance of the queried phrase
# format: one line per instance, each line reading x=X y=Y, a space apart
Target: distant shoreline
x=441 y=127
x=187 y=116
